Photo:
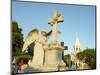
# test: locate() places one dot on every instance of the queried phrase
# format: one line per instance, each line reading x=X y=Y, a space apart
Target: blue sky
x=77 y=19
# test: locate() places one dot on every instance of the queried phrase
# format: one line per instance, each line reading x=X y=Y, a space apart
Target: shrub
x=24 y=57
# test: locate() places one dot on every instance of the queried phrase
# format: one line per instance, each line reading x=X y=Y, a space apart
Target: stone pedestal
x=53 y=58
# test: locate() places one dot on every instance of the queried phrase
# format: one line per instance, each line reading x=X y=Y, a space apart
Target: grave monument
x=47 y=55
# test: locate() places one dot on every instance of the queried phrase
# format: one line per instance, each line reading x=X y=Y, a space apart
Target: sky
x=78 y=19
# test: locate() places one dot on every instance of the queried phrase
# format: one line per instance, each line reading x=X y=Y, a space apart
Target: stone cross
x=57 y=18
x=65 y=48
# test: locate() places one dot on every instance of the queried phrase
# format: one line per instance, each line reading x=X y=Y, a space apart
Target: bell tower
x=77 y=45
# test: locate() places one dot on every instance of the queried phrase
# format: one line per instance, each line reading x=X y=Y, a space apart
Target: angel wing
x=32 y=36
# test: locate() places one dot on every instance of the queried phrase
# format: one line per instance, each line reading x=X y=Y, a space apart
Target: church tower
x=77 y=46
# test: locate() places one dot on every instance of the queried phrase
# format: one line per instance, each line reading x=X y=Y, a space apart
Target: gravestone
x=47 y=56
x=53 y=53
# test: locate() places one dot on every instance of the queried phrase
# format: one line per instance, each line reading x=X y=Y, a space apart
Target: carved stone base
x=53 y=58
x=49 y=68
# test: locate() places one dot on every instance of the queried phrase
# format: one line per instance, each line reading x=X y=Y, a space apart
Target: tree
x=66 y=57
x=88 y=56
x=17 y=39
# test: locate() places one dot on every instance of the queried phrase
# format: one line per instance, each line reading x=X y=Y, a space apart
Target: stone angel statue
x=40 y=40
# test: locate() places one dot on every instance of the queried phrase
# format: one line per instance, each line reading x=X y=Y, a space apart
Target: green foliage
x=24 y=57
x=17 y=39
x=88 y=56
x=66 y=57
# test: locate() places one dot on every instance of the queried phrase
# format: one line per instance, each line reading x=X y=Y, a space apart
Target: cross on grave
x=65 y=48
x=53 y=21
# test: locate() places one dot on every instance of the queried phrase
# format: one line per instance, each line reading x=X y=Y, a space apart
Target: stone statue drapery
x=40 y=40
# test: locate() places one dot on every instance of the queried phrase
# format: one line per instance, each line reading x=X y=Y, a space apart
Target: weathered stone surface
x=53 y=58
x=47 y=57
x=57 y=18
x=38 y=55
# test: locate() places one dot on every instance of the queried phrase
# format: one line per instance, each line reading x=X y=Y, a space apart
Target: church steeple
x=77 y=45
